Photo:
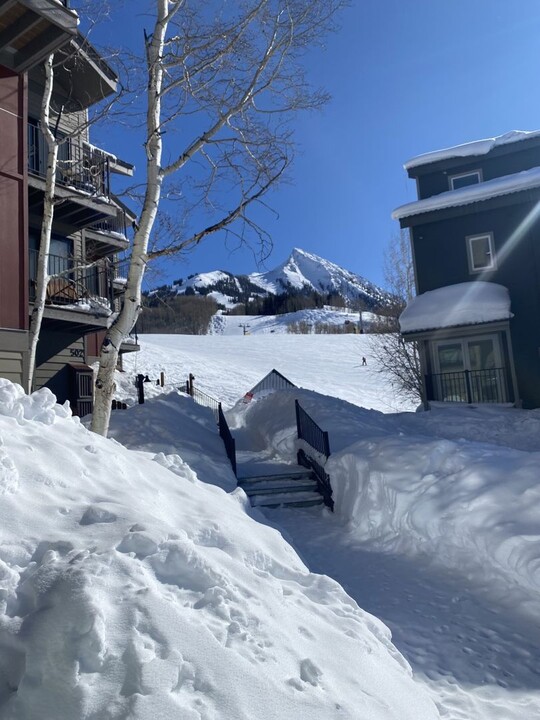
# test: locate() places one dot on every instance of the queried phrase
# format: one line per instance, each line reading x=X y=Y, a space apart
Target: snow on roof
x=468 y=303
x=526 y=180
x=471 y=149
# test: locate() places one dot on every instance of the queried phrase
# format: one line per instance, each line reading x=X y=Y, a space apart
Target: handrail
x=228 y=440
x=321 y=476
x=202 y=398
x=206 y=400
x=310 y=432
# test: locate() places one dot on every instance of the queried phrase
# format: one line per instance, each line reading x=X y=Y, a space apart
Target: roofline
x=470 y=195
x=455 y=330
x=434 y=160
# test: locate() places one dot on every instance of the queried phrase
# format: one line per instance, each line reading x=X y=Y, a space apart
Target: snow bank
x=466 y=303
x=129 y=588
x=470 y=507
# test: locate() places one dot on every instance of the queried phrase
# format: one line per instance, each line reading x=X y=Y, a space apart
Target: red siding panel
x=13 y=202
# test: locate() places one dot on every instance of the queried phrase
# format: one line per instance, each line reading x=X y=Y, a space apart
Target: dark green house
x=475 y=237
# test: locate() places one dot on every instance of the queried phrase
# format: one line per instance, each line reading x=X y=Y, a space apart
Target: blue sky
x=406 y=77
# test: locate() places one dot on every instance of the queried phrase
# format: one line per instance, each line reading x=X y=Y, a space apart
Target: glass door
x=450 y=380
x=470 y=370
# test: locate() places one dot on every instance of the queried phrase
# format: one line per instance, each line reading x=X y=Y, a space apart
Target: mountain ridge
x=302 y=273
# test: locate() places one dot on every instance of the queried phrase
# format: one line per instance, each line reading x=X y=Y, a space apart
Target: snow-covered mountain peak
x=306 y=270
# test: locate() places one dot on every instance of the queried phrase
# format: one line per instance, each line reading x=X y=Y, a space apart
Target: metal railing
x=202 y=398
x=80 y=165
x=117 y=225
x=321 y=476
x=469 y=386
x=310 y=432
x=226 y=436
x=69 y=284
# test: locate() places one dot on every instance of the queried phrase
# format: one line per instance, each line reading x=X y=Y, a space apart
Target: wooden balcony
x=30 y=30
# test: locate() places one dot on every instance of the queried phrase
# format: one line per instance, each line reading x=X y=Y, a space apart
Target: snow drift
x=129 y=588
x=410 y=484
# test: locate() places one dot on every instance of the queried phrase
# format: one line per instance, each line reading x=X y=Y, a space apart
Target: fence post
x=140 y=388
x=326 y=443
x=190 y=384
x=162 y=378
x=297 y=411
x=468 y=386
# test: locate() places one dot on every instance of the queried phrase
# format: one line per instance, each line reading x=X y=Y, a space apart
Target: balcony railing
x=115 y=225
x=469 y=386
x=72 y=284
x=80 y=165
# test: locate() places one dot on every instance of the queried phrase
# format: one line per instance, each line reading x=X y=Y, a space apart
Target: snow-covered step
x=295 y=475
x=289 y=499
x=259 y=487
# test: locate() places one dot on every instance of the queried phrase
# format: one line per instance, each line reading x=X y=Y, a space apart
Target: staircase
x=295 y=488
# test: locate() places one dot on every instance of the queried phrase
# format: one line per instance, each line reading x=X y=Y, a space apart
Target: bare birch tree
x=397 y=359
x=42 y=274
x=222 y=82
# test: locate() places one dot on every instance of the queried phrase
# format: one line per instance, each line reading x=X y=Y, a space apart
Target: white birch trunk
x=42 y=276
x=124 y=322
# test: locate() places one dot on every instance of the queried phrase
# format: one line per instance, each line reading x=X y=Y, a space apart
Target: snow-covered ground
x=130 y=588
x=262 y=324
x=136 y=582
x=437 y=522
x=229 y=366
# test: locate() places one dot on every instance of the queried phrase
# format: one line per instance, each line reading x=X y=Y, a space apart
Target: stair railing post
x=326 y=442
x=468 y=386
x=140 y=388
x=297 y=411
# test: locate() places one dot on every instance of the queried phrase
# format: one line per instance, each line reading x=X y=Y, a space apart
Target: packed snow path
x=477 y=657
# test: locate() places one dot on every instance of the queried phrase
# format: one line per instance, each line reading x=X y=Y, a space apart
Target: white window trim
x=451 y=178
x=464 y=340
x=469 y=239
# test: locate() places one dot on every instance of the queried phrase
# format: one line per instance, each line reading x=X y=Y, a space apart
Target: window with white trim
x=464 y=179
x=481 y=252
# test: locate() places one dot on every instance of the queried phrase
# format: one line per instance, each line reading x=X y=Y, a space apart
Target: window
x=481 y=253
x=464 y=179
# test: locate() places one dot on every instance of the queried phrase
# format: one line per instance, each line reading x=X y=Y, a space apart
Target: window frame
x=479 y=236
x=477 y=172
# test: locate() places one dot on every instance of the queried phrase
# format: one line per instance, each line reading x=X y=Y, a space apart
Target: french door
x=470 y=370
